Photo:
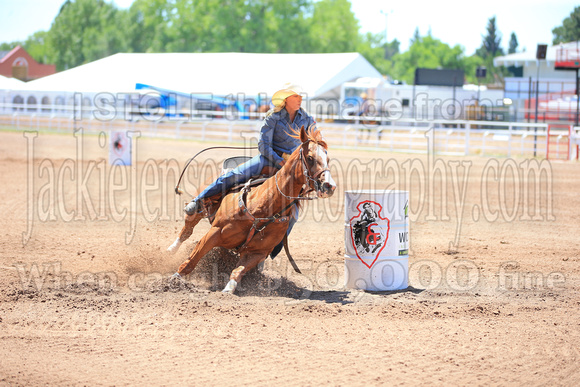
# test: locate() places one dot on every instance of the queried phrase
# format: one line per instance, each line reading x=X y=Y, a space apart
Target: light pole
x=386 y=20
x=577 y=96
x=480 y=72
x=540 y=55
x=386 y=53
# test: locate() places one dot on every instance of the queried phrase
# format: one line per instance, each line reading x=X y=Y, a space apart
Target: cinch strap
x=278 y=218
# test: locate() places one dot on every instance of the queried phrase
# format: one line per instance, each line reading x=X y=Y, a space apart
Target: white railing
x=452 y=137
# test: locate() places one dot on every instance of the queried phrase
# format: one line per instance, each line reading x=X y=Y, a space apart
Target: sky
x=453 y=22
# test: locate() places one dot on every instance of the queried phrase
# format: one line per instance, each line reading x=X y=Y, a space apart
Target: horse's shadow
x=286 y=288
x=217 y=265
x=351 y=296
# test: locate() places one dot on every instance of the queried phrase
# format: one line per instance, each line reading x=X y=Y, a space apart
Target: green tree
x=416 y=36
x=9 y=46
x=146 y=24
x=244 y=26
x=429 y=52
x=491 y=48
x=84 y=31
x=513 y=44
x=391 y=49
x=229 y=30
x=87 y=30
x=569 y=31
x=289 y=26
x=218 y=26
x=378 y=53
x=333 y=27
x=491 y=45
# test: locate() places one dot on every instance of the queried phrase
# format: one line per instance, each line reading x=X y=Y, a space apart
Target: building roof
x=5 y=55
x=19 y=57
x=217 y=73
x=528 y=57
x=11 y=83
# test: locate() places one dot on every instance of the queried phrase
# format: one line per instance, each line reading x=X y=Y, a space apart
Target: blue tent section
x=167 y=98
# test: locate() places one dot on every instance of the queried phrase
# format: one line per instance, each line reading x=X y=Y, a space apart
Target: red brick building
x=17 y=63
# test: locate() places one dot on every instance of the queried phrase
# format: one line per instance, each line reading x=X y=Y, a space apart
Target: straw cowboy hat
x=287 y=90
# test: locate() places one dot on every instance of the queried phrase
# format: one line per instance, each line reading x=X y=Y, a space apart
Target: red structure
x=553 y=107
x=562 y=106
x=18 y=63
x=568 y=58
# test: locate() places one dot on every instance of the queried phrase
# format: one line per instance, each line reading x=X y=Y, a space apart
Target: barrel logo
x=369 y=231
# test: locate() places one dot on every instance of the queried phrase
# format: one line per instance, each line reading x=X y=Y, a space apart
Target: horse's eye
x=310 y=159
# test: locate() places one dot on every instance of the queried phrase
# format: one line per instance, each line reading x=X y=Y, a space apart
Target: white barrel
x=376 y=240
x=120 y=148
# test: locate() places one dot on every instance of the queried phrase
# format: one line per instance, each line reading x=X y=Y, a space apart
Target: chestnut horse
x=255 y=220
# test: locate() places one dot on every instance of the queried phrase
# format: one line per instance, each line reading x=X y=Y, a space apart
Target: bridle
x=311 y=180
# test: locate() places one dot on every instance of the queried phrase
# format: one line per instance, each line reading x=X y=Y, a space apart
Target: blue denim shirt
x=274 y=135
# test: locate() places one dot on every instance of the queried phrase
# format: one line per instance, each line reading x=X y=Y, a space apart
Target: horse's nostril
x=327 y=187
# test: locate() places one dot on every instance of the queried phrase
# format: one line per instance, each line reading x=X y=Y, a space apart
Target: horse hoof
x=230 y=287
x=176 y=277
x=174 y=247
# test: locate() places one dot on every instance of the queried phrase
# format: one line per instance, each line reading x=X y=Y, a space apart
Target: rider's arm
x=266 y=140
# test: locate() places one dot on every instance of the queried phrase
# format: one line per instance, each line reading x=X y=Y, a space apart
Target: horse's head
x=313 y=153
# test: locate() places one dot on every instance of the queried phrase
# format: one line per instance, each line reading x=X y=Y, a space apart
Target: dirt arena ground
x=493 y=296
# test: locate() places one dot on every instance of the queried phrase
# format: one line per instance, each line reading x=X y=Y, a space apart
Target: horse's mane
x=314 y=134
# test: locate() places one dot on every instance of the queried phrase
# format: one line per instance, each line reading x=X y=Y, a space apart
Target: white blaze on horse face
x=327 y=184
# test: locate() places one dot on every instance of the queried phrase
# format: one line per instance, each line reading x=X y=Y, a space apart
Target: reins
x=308 y=178
x=177 y=190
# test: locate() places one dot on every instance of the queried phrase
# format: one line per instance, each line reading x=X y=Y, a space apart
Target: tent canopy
x=529 y=57
x=320 y=75
x=11 y=83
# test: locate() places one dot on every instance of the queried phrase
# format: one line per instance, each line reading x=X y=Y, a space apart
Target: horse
x=255 y=220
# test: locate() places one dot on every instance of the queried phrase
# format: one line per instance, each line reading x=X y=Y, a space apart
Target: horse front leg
x=210 y=240
x=190 y=222
x=246 y=263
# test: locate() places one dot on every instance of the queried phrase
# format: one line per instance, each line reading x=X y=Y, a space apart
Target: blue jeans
x=236 y=176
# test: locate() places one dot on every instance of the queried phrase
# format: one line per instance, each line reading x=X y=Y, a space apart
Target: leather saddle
x=212 y=203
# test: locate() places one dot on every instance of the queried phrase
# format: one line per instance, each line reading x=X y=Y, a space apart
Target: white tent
x=320 y=75
x=10 y=83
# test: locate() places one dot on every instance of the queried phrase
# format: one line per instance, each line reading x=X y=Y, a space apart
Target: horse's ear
x=303 y=135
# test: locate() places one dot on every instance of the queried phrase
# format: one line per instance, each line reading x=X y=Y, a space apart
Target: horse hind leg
x=190 y=222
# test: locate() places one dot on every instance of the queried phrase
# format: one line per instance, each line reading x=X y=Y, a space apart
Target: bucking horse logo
x=369 y=231
x=119 y=144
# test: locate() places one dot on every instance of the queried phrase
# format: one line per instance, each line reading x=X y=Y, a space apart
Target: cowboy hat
x=286 y=91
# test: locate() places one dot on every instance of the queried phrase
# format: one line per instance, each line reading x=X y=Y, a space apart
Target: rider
x=275 y=145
